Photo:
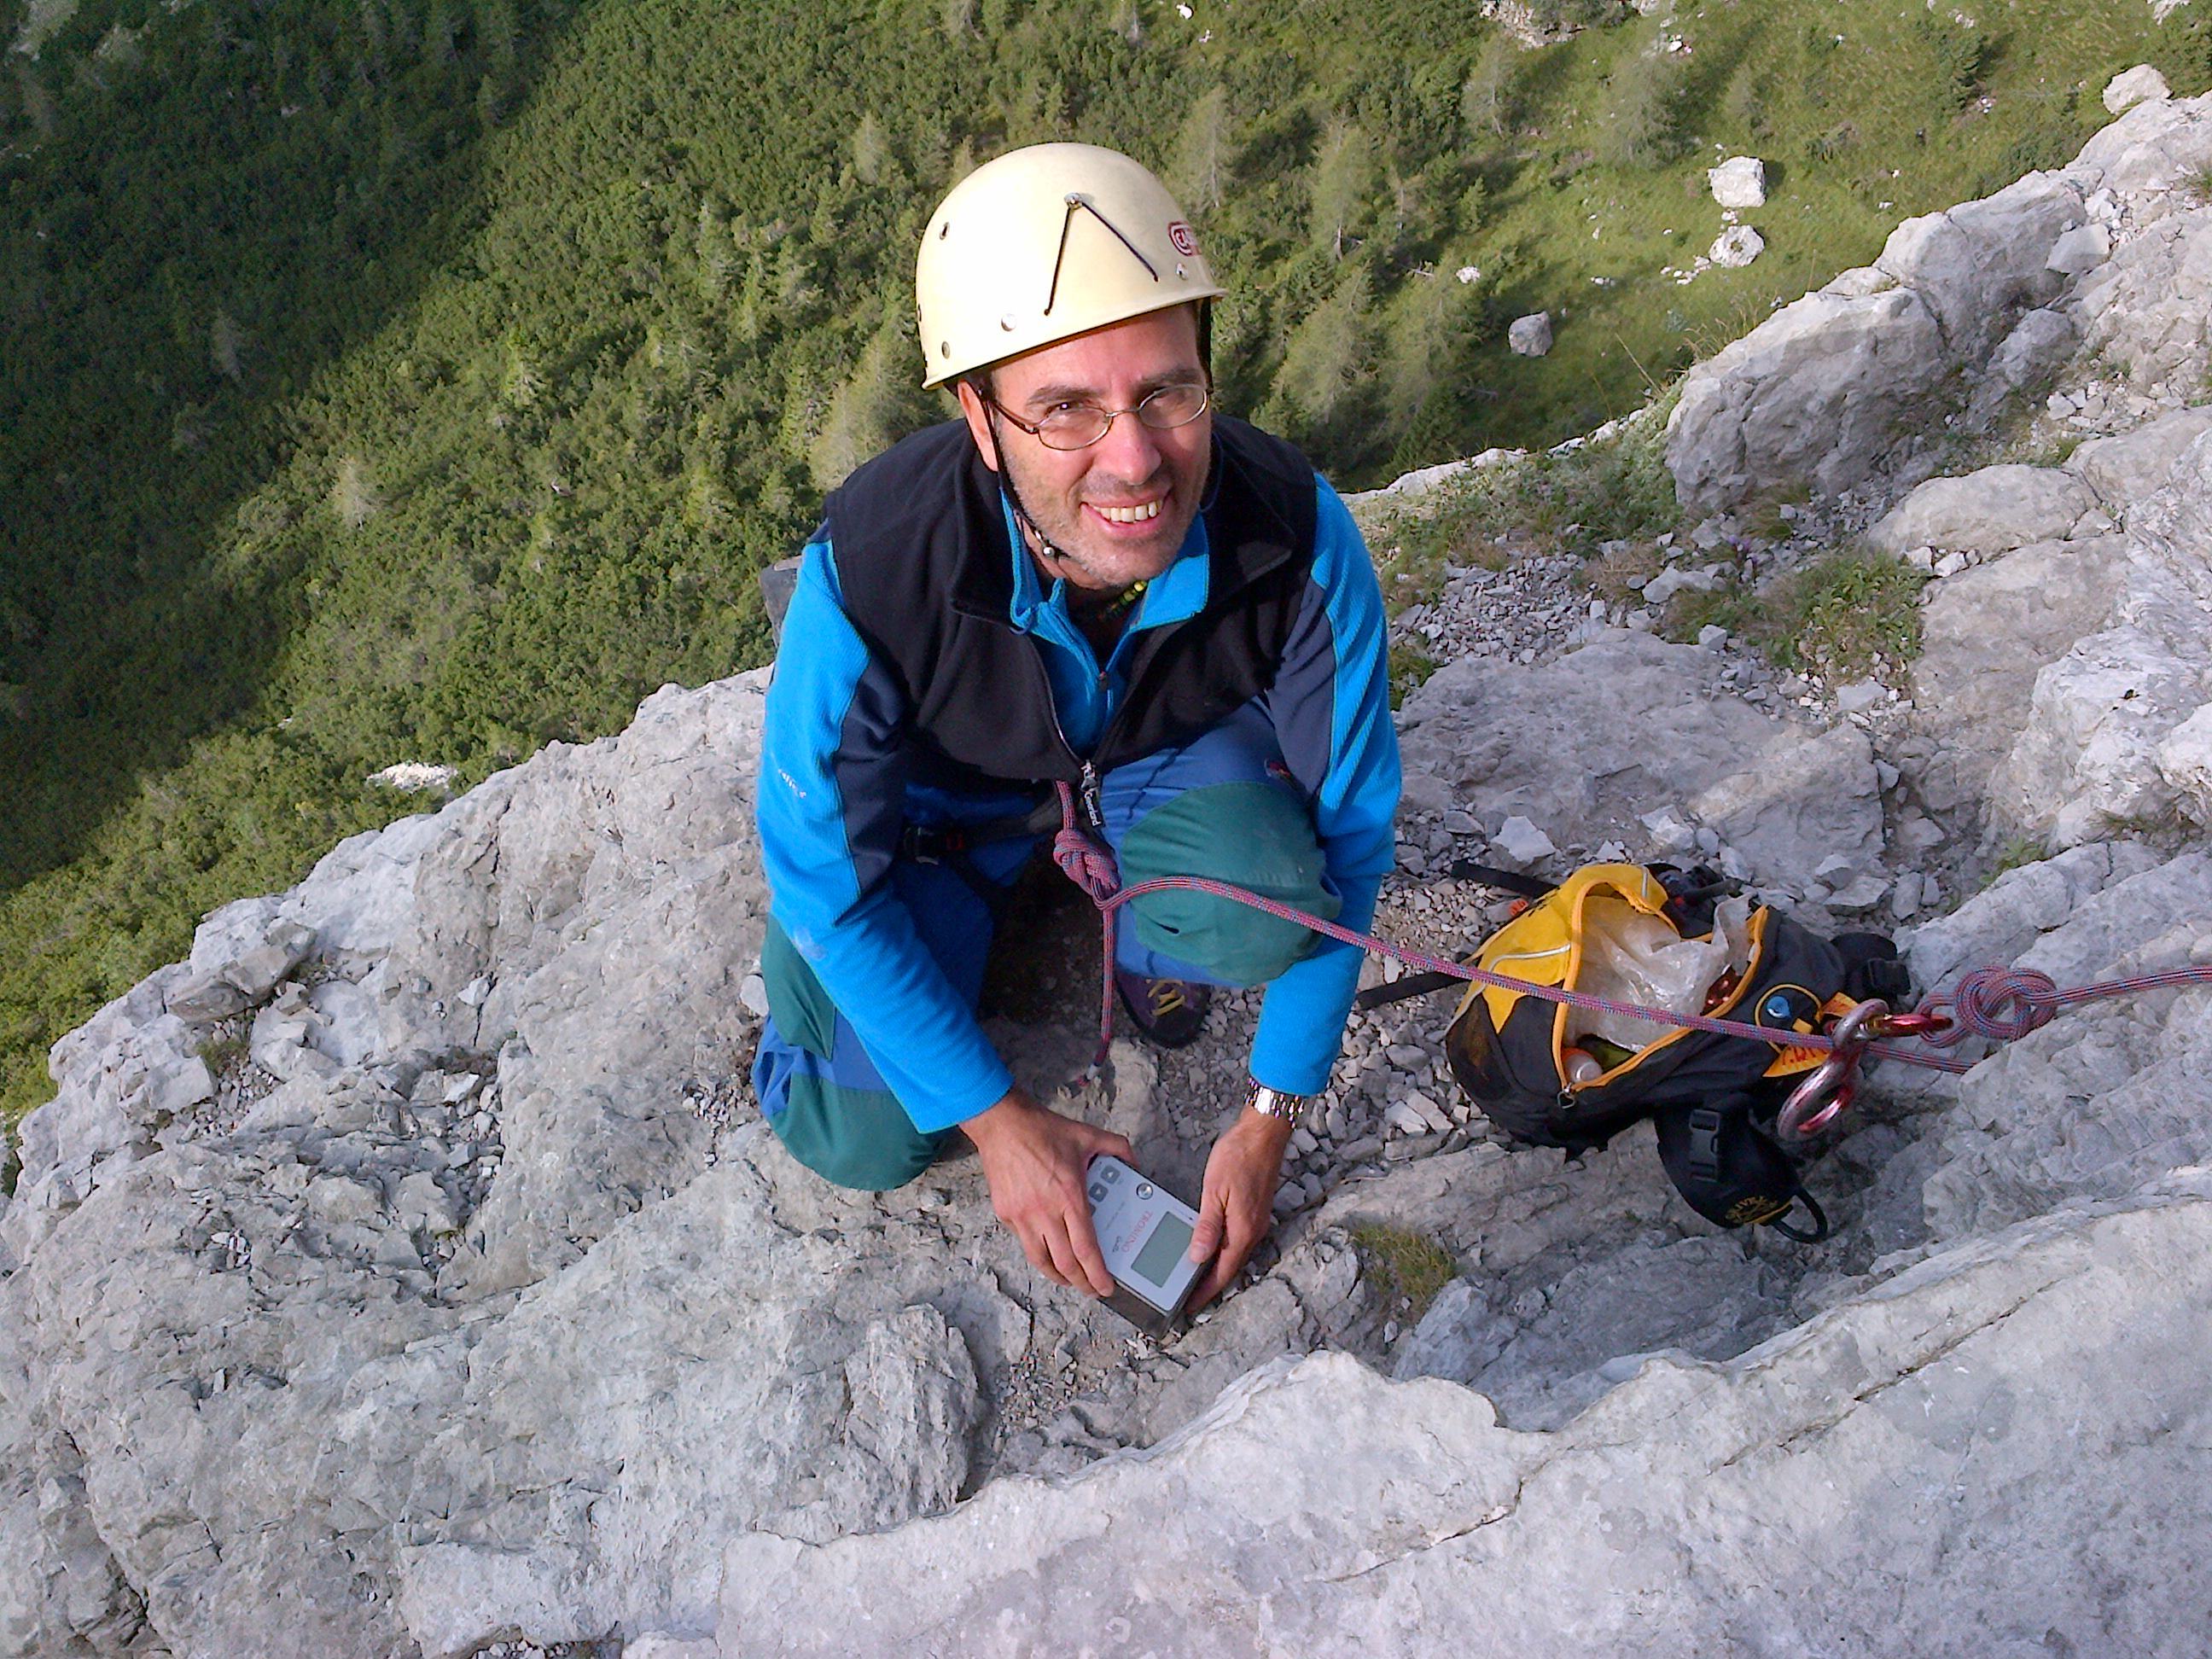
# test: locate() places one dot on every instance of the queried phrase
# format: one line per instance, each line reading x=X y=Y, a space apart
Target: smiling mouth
x=1137 y=514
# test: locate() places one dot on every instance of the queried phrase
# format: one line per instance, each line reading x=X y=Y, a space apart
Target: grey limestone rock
x=1531 y=335
x=2078 y=250
x=1846 y=1454
x=1815 y=394
x=1991 y=511
x=2038 y=345
x=1520 y=740
x=2090 y=755
x=1735 y=247
x=2132 y=87
x=1980 y=265
x=2145 y=309
x=2132 y=466
x=1985 y=633
x=1738 y=182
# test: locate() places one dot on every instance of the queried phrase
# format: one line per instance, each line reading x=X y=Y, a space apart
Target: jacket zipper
x=1087 y=775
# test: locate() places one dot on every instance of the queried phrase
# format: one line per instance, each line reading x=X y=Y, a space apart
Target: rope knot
x=2001 y=1004
x=1080 y=859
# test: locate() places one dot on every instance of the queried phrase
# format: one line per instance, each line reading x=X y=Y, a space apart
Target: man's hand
x=1036 y=1162
x=1237 y=1206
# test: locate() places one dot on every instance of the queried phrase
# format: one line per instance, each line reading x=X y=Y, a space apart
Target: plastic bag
x=1631 y=956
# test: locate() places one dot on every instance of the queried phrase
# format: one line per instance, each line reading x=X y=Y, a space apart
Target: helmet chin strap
x=1050 y=551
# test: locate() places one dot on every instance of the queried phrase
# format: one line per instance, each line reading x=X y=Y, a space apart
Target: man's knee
x=856 y=1138
x=821 y=1092
x=1254 y=834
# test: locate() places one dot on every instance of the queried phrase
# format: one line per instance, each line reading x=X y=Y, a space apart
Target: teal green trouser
x=1212 y=809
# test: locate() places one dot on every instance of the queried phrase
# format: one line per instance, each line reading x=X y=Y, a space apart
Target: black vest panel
x=926 y=573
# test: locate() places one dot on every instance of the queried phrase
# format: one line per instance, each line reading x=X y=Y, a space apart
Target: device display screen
x=1163 y=1249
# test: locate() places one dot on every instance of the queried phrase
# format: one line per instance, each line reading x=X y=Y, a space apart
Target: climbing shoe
x=1170 y=1012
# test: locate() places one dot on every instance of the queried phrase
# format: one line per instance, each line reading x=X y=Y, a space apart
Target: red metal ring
x=1920 y=1024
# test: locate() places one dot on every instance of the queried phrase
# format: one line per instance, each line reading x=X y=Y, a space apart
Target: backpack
x=1712 y=1098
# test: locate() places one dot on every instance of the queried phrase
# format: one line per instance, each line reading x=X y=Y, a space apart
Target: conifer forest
x=427 y=380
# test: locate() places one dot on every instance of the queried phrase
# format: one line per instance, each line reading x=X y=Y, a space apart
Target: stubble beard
x=1087 y=558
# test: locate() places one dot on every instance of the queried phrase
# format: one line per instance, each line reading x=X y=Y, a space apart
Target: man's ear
x=979 y=422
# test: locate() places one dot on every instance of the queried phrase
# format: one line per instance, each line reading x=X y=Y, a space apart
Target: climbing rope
x=2000 y=1004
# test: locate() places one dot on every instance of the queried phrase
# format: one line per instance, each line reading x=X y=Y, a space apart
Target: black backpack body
x=1713 y=1098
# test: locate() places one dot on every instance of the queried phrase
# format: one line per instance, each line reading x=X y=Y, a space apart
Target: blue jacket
x=835 y=788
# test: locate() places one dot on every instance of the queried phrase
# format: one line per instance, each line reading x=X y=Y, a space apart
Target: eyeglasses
x=1079 y=426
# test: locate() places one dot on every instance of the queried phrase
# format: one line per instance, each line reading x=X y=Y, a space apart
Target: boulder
x=1815 y=394
x=1991 y=511
x=1531 y=335
x=2132 y=87
x=1739 y=182
x=1979 y=265
x=1736 y=246
x=2081 y=249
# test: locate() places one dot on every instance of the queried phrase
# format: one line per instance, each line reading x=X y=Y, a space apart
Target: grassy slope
x=559 y=322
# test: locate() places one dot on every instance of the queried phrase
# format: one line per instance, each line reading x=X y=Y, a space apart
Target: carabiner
x=1822 y=1097
x=1912 y=1025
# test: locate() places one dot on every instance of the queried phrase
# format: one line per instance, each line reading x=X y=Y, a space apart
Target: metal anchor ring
x=1821 y=1098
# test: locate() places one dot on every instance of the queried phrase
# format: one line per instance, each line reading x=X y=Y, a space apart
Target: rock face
x=2109 y=739
x=1816 y=394
x=1554 y=744
x=1719 y=1495
x=406 y=1273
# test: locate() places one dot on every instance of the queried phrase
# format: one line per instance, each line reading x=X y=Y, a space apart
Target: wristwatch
x=1273 y=1102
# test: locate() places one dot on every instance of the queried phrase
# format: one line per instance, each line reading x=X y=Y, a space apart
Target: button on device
x=1097 y=1193
x=1144 y=1189
x=1111 y=1173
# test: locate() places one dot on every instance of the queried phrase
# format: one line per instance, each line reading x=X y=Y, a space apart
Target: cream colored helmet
x=1044 y=244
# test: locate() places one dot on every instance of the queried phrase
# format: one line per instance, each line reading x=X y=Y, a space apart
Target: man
x=1091 y=579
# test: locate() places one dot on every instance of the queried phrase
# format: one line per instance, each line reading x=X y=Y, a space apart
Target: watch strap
x=1273 y=1102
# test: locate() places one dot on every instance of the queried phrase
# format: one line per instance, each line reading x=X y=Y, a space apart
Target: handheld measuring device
x=1144 y=1232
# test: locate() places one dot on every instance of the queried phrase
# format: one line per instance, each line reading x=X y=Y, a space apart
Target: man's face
x=1117 y=511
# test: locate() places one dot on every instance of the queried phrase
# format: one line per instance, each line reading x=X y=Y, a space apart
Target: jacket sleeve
x=1331 y=708
x=830 y=806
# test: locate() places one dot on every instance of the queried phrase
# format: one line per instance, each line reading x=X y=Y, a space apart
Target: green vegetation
x=1406 y=1269
x=226 y=1050
x=1409 y=670
x=2017 y=852
x=1577 y=499
x=426 y=380
x=1853 y=614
